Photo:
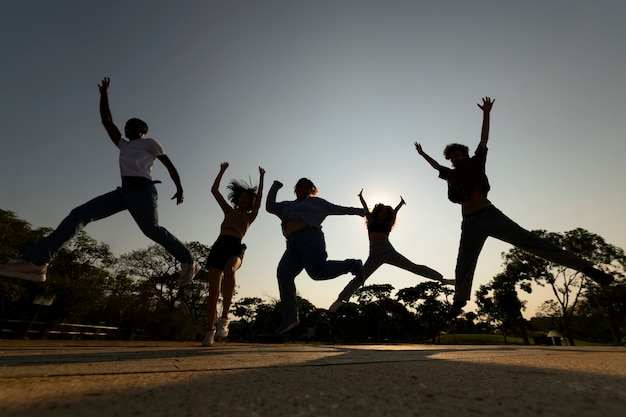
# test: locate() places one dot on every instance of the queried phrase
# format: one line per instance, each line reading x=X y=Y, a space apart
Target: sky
x=336 y=91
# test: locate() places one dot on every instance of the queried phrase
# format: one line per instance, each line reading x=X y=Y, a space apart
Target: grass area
x=494 y=339
x=479 y=339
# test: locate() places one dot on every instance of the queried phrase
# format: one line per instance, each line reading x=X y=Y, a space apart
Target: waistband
x=135 y=181
x=302 y=231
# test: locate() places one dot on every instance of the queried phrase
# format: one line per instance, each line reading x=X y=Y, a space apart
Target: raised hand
x=487 y=104
x=104 y=86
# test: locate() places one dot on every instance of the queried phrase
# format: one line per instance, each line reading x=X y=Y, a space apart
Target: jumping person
x=379 y=223
x=468 y=185
x=137 y=194
x=301 y=221
x=227 y=252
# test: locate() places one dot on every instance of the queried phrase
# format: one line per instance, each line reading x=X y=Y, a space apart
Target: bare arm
x=215 y=189
x=364 y=204
x=179 y=196
x=105 y=113
x=400 y=204
x=484 y=134
x=428 y=159
x=259 y=196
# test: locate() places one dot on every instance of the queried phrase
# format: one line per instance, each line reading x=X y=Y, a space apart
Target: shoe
x=455 y=310
x=23 y=269
x=187 y=273
x=286 y=326
x=209 y=339
x=357 y=270
x=597 y=275
x=335 y=306
x=447 y=281
x=222 y=328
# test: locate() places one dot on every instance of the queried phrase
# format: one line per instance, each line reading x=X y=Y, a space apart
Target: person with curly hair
x=468 y=186
x=379 y=223
x=227 y=252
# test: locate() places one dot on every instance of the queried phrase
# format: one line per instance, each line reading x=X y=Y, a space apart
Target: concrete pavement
x=111 y=378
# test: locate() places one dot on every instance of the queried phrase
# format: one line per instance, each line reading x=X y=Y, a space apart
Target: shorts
x=224 y=248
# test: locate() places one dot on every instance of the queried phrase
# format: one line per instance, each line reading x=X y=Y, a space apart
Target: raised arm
x=270 y=203
x=215 y=189
x=484 y=133
x=400 y=204
x=179 y=196
x=367 y=210
x=105 y=113
x=428 y=159
x=259 y=196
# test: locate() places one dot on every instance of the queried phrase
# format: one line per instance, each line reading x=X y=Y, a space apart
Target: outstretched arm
x=105 y=113
x=428 y=159
x=259 y=196
x=179 y=196
x=364 y=204
x=400 y=204
x=484 y=134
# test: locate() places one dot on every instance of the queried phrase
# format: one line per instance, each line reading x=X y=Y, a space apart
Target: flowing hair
x=390 y=220
x=238 y=187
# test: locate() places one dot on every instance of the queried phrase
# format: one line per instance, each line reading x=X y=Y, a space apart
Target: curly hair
x=389 y=220
x=454 y=147
x=236 y=188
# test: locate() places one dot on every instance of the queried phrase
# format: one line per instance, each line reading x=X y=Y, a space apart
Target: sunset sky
x=336 y=91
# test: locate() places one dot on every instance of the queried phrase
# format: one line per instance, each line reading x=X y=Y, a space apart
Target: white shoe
x=222 y=329
x=187 y=273
x=23 y=269
x=209 y=339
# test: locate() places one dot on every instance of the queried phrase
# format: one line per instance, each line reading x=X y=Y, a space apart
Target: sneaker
x=335 y=306
x=23 y=269
x=286 y=326
x=187 y=273
x=597 y=275
x=455 y=310
x=209 y=339
x=222 y=328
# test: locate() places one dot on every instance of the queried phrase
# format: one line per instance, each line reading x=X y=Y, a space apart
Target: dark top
x=378 y=227
x=464 y=179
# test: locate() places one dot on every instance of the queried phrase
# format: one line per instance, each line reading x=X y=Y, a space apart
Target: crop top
x=378 y=227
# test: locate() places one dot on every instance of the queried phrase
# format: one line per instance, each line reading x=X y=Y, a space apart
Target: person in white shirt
x=137 y=194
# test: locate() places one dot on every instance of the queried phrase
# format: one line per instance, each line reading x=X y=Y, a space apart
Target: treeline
x=137 y=294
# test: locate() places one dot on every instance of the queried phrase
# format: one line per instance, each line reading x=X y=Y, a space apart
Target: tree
x=425 y=299
x=567 y=285
x=498 y=300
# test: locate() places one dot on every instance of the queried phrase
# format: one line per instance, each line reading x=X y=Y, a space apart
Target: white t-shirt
x=137 y=156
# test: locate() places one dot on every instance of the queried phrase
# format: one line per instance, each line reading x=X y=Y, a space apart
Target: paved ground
x=82 y=378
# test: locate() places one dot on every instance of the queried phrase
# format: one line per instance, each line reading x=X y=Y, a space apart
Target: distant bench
x=57 y=330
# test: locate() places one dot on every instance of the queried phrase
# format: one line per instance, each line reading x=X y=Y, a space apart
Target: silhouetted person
x=301 y=221
x=379 y=222
x=137 y=194
x=227 y=252
x=468 y=185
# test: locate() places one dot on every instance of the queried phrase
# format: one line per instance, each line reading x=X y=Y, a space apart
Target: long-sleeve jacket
x=311 y=211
